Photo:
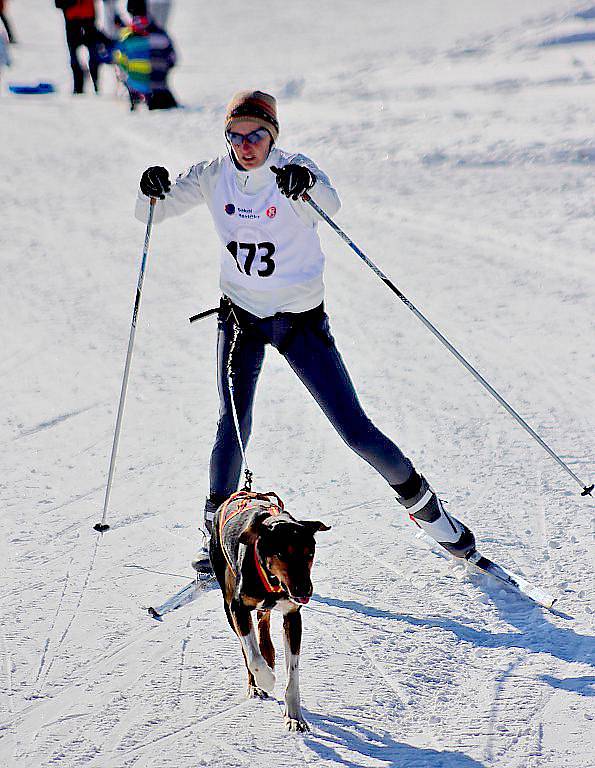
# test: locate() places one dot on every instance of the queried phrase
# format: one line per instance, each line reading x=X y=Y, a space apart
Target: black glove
x=155 y=182
x=293 y=180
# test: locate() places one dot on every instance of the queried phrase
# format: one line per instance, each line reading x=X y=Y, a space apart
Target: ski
x=186 y=595
x=478 y=563
x=512 y=580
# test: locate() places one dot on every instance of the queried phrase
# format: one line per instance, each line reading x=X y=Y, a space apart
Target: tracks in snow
x=446 y=657
x=44 y=669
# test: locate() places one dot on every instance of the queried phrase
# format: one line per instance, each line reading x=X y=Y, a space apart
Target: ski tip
x=154 y=615
x=539 y=597
x=560 y=614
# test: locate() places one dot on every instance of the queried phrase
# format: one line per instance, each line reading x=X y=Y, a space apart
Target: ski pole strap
x=475 y=373
x=200 y=315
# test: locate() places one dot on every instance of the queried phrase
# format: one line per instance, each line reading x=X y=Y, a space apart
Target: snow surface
x=462 y=146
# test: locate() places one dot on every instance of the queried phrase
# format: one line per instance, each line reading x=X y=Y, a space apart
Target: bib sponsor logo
x=271 y=212
x=247 y=213
x=230 y=209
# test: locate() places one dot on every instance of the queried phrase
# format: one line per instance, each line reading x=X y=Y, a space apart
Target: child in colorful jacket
x=145 y=54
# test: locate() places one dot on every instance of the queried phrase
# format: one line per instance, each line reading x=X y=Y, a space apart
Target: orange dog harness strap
x=264 y=577
x=242 y=502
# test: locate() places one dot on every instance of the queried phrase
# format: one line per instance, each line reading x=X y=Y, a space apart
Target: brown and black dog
x=262 y=558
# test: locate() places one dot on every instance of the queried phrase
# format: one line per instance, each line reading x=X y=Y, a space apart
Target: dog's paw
x=292 y=724
x=256 y=693
x=264 y=676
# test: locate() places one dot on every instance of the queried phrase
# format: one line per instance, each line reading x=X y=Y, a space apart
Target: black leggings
x=305 y=341
x=7 y=27
x=82 y=32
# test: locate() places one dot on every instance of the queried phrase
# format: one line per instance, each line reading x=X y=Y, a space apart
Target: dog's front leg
x=255 y=662
x=292 y=635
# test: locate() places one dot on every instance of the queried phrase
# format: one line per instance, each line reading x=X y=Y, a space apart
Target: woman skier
x=272 y=283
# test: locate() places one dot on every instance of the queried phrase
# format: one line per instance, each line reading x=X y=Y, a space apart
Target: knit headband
x=257 y=106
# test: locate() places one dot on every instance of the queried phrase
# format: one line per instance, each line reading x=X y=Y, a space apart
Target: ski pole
x=103 y=526
x=586 y=489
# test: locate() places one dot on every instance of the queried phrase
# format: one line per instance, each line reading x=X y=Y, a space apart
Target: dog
x=262 y=558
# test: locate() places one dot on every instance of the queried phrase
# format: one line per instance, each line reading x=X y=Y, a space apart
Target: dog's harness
x=240 y=503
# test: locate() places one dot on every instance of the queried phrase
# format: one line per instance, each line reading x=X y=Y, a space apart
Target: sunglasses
x=254 y=137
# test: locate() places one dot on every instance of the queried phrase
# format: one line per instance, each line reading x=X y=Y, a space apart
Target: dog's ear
x=314 y=526
x=253 y=526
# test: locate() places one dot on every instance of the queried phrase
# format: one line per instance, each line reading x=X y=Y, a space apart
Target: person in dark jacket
x=79 y=20
x=7 y=25
x=163 y=59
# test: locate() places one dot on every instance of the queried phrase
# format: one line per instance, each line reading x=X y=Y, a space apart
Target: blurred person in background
x=79 y=21
x=111 y=17
x=158 y=11
x=145 y=56
x=7 y=26
x=4 y=54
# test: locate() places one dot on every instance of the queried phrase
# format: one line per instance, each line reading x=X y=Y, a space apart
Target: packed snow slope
x=460 y=138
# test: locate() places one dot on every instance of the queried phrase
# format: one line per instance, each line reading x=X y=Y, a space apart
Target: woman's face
x=250 y=155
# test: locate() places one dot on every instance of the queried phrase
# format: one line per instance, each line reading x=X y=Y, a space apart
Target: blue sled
x=31 y=89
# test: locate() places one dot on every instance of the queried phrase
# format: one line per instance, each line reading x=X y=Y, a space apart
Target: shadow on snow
x=334 y=735
x=583 y=685
x=535 y=633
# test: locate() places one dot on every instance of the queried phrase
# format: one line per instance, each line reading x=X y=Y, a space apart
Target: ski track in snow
x=462 y=148
x=7 y=671
x=38 y=687
x=518 y=741
x=42 y=674
x=51 y=422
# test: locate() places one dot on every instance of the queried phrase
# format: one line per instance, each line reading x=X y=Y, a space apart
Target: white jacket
x=199 y=184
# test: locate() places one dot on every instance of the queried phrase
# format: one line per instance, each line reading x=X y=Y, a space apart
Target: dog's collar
x=271 y=583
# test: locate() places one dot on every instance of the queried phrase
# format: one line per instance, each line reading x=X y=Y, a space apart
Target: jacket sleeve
x=187 y=191
x=322 y=193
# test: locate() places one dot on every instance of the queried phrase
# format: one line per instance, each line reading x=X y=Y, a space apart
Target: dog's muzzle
x=297 y=600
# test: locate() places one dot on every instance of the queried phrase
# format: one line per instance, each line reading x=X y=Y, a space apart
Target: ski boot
x=202 y=562
x=426 y=510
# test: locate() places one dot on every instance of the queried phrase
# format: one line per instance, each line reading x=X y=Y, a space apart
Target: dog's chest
x=283 y=605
